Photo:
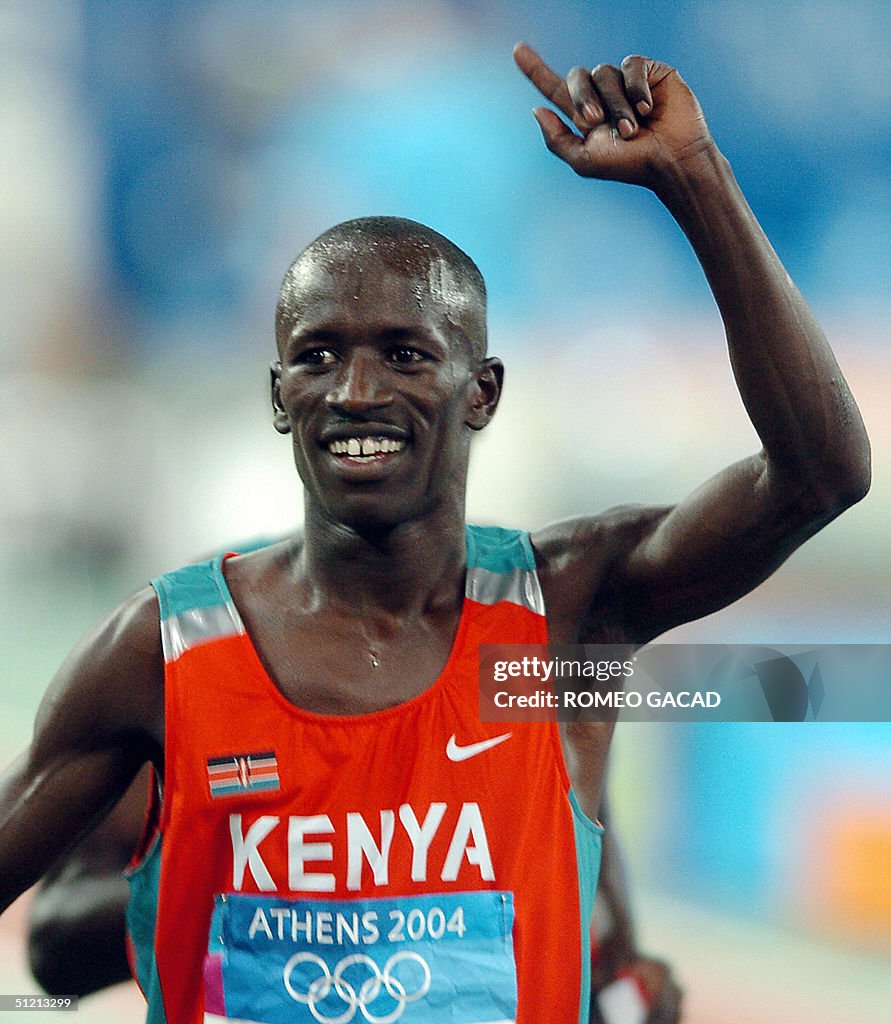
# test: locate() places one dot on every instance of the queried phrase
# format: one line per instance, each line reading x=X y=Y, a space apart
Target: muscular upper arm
x=102 y=717
x=718 y=544
x=634 y=572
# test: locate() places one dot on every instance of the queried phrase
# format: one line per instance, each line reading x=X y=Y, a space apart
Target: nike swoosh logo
x=456 y=753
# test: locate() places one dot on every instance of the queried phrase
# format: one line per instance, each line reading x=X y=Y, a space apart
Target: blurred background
x=163 y=161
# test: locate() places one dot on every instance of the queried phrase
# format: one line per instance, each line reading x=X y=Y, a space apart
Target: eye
x=405 y=355
x=316 y=357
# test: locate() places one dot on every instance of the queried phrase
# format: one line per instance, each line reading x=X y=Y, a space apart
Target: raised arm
x=101 y=719
x=640 y=123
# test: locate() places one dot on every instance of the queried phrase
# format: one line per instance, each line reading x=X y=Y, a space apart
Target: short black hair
x=392 y=238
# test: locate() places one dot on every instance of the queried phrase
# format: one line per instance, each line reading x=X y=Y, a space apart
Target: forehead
x=386 y=286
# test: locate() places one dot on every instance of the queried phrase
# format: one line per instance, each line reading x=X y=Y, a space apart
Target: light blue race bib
x=440 y=959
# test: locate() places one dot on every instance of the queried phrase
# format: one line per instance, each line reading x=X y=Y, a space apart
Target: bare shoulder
x=100 y=720
x=113 y=680
x=579 y=562
x=129 y=638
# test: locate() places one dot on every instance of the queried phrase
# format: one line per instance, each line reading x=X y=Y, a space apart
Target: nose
x=360 y=385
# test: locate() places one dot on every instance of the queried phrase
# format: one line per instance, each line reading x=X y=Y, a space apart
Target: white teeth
x=363 y=447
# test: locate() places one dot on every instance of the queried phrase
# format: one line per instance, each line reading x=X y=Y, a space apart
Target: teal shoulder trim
x=142 y=911
x=498 y=550
x=501 y=567
x=196 y=607
x=588 y=852
x=194 y=586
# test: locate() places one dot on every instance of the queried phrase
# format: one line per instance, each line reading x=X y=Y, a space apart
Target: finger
x=587 y=111
x=610 y=87
x=544 y=78
x=636 y=71
x=559 y=139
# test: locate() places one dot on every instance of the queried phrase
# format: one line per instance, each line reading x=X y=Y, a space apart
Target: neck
x=412 y=567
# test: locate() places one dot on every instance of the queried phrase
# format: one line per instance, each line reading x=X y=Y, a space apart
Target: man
x=335 y=816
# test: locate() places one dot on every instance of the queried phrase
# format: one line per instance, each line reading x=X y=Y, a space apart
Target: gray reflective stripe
x=196 y=626
x=519 y=586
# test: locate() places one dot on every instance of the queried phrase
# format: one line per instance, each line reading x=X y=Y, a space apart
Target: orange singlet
x=412 y=864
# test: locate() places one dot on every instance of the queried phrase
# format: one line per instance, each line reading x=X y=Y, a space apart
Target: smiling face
x=381 y=380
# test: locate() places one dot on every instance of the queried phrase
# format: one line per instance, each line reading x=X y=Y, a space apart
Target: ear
x=486 y=391
x=279 y=416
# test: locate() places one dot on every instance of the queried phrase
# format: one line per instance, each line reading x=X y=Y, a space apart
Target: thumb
x=559 y=139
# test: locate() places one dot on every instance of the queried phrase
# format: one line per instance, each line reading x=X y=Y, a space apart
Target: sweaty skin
x=368 y=350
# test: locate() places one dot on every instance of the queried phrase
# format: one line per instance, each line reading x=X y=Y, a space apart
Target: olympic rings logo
x=318 y=990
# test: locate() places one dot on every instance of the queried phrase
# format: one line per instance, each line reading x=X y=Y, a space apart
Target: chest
x=338 y=664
